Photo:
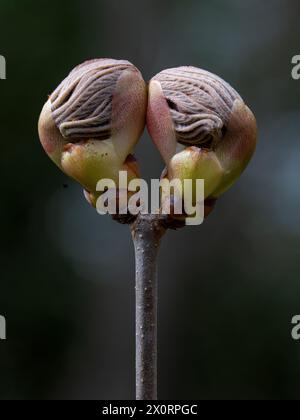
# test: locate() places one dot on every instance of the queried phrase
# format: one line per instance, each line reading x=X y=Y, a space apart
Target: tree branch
x=147 y=231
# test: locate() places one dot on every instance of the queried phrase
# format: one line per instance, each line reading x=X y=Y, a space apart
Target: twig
x=147 y=231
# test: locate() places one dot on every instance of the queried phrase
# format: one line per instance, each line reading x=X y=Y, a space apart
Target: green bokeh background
x=228 y=289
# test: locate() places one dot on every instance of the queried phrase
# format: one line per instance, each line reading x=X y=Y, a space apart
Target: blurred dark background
x=228 y=289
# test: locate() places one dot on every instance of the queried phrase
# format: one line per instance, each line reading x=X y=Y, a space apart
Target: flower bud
x=201 y=127
x=92 y=121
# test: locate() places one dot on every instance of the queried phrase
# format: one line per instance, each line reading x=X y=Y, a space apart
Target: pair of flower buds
x=199 y=123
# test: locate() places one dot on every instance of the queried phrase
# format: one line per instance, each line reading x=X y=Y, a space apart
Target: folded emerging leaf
x=92 y=121
x=201 y=126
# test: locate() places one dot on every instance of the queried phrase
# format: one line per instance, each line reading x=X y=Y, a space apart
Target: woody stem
x=147 y=231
